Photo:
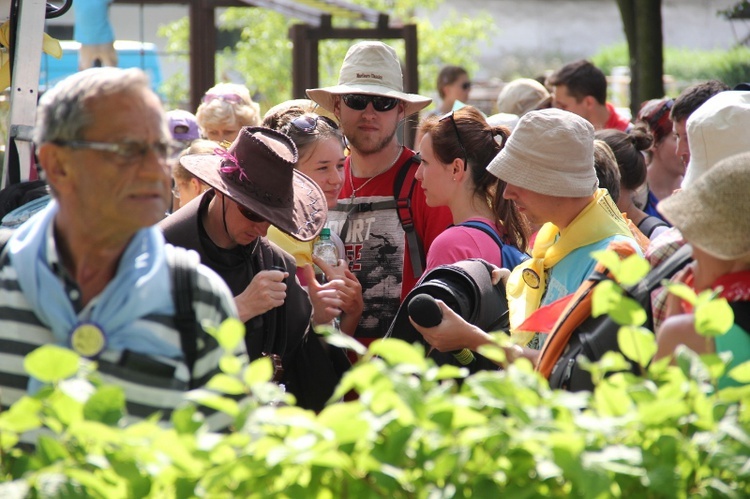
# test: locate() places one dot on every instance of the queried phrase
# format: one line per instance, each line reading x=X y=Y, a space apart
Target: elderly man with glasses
x=369 y=102
x=90 y=272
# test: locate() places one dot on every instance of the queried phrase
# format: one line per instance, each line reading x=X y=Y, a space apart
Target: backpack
x=650 y=223
x=510 y=255
x=577 y=333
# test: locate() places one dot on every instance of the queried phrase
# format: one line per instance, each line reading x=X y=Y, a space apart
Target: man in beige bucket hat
x=548 y=166
x=369 y=102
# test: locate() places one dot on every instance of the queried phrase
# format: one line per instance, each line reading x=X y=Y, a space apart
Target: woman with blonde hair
x=224 y=109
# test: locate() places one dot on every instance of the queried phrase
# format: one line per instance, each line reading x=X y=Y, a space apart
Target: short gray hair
x=62 y=113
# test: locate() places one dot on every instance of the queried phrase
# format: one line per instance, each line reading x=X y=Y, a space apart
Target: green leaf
x=226 y=384
x=345 y=341
x=397 y=352
x=611 y=400
x=230 y=364
x=51 y=363
x=608 y=298
x=22 y=416
x=259 y=371
x=714 y=318
x=741 y=373
x=682 y=291
x=637 y=344
x=632 y=270
x=50 y=450
x=186 y=419
x=610 y=259
x=230 y=333
x=346 y=420
x=213 y=401
x=493 y=352
x=106 y=405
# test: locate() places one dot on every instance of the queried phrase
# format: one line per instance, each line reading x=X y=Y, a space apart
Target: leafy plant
x=416 y=430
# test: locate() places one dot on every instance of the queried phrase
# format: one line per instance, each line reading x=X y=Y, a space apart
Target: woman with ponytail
x=455 y=150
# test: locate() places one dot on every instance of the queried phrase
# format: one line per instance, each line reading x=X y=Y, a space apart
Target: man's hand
x=266 y=291
x=453 y=332
x=342 y=293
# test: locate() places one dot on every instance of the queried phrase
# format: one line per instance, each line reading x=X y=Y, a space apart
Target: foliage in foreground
x=416 y=430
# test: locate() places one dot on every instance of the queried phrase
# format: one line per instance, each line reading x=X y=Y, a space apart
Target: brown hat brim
x=303 y=220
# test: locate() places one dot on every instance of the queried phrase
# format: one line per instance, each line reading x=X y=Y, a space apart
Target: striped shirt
x=150 y=383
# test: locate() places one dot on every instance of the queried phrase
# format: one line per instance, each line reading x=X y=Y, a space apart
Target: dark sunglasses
x=359 y=102
x=308 y=124
x=450 y=117
x=466 y=85
x=250 y=215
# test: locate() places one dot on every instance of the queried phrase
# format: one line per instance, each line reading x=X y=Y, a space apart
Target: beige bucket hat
x=370 y=68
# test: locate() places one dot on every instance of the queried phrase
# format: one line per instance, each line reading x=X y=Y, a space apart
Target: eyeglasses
x=359 y=102
x=449 y=116
x=466 y=85
x=653 y=120
x=308 y=124
x=250 y=215
x=233 y=98
x=127 y=152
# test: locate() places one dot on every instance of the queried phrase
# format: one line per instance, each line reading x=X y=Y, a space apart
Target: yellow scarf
x=49 y=46
x=526 y=284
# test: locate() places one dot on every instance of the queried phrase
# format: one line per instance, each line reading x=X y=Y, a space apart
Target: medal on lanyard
x=531 y=278
x=88 y=340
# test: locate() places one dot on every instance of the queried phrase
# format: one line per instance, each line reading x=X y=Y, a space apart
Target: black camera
x=466 y=287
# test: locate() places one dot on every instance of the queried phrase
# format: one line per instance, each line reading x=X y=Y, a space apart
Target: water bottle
x=325 y=249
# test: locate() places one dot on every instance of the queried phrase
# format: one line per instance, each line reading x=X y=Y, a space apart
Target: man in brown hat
x=369 y=102
x=255 y=185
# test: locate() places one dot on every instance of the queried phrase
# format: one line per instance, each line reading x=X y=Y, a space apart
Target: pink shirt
x=459 y=243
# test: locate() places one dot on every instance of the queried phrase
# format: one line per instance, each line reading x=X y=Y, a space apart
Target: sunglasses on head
x=653 y=120
x=308 y=123
x=233 y=98
x=359 y=102
x=450 y=117
x=250 y=215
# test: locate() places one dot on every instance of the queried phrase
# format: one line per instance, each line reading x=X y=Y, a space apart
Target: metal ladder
x=27 y=18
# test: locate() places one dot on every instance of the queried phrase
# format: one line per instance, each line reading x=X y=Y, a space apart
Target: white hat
x=551 y=152
x=370 y=68
x=712 y=212
x=718 y=129
x=521 y=96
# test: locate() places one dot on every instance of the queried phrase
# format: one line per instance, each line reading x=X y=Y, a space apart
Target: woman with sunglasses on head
x=224 y=109
x=320 y=147
x=455 y=152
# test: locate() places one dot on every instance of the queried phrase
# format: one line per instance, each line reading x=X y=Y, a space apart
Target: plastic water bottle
x=325 y=249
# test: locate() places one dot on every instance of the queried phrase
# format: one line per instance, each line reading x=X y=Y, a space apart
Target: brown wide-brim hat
x=370 y=68
x=258 y=172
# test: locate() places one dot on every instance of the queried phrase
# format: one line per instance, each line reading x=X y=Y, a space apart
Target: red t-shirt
x=616 y=120
x=375 y=243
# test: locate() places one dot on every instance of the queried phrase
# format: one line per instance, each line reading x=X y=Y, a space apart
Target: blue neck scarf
x=141 y=286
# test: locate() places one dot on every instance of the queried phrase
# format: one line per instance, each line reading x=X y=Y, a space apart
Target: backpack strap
x=510 y=255
x=402 y=191
x=183 y=264
x=650 y=223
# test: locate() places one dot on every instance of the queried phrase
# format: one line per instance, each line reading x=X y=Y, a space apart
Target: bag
x=510 y=255
x=21 y=194
x=466 y=287
x=577 y=333
x=650 y=223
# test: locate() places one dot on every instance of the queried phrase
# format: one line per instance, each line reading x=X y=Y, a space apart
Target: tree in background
x=262 y=59
x=641 y=20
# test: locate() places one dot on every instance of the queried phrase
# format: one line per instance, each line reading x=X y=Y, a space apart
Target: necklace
x=351 y=174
